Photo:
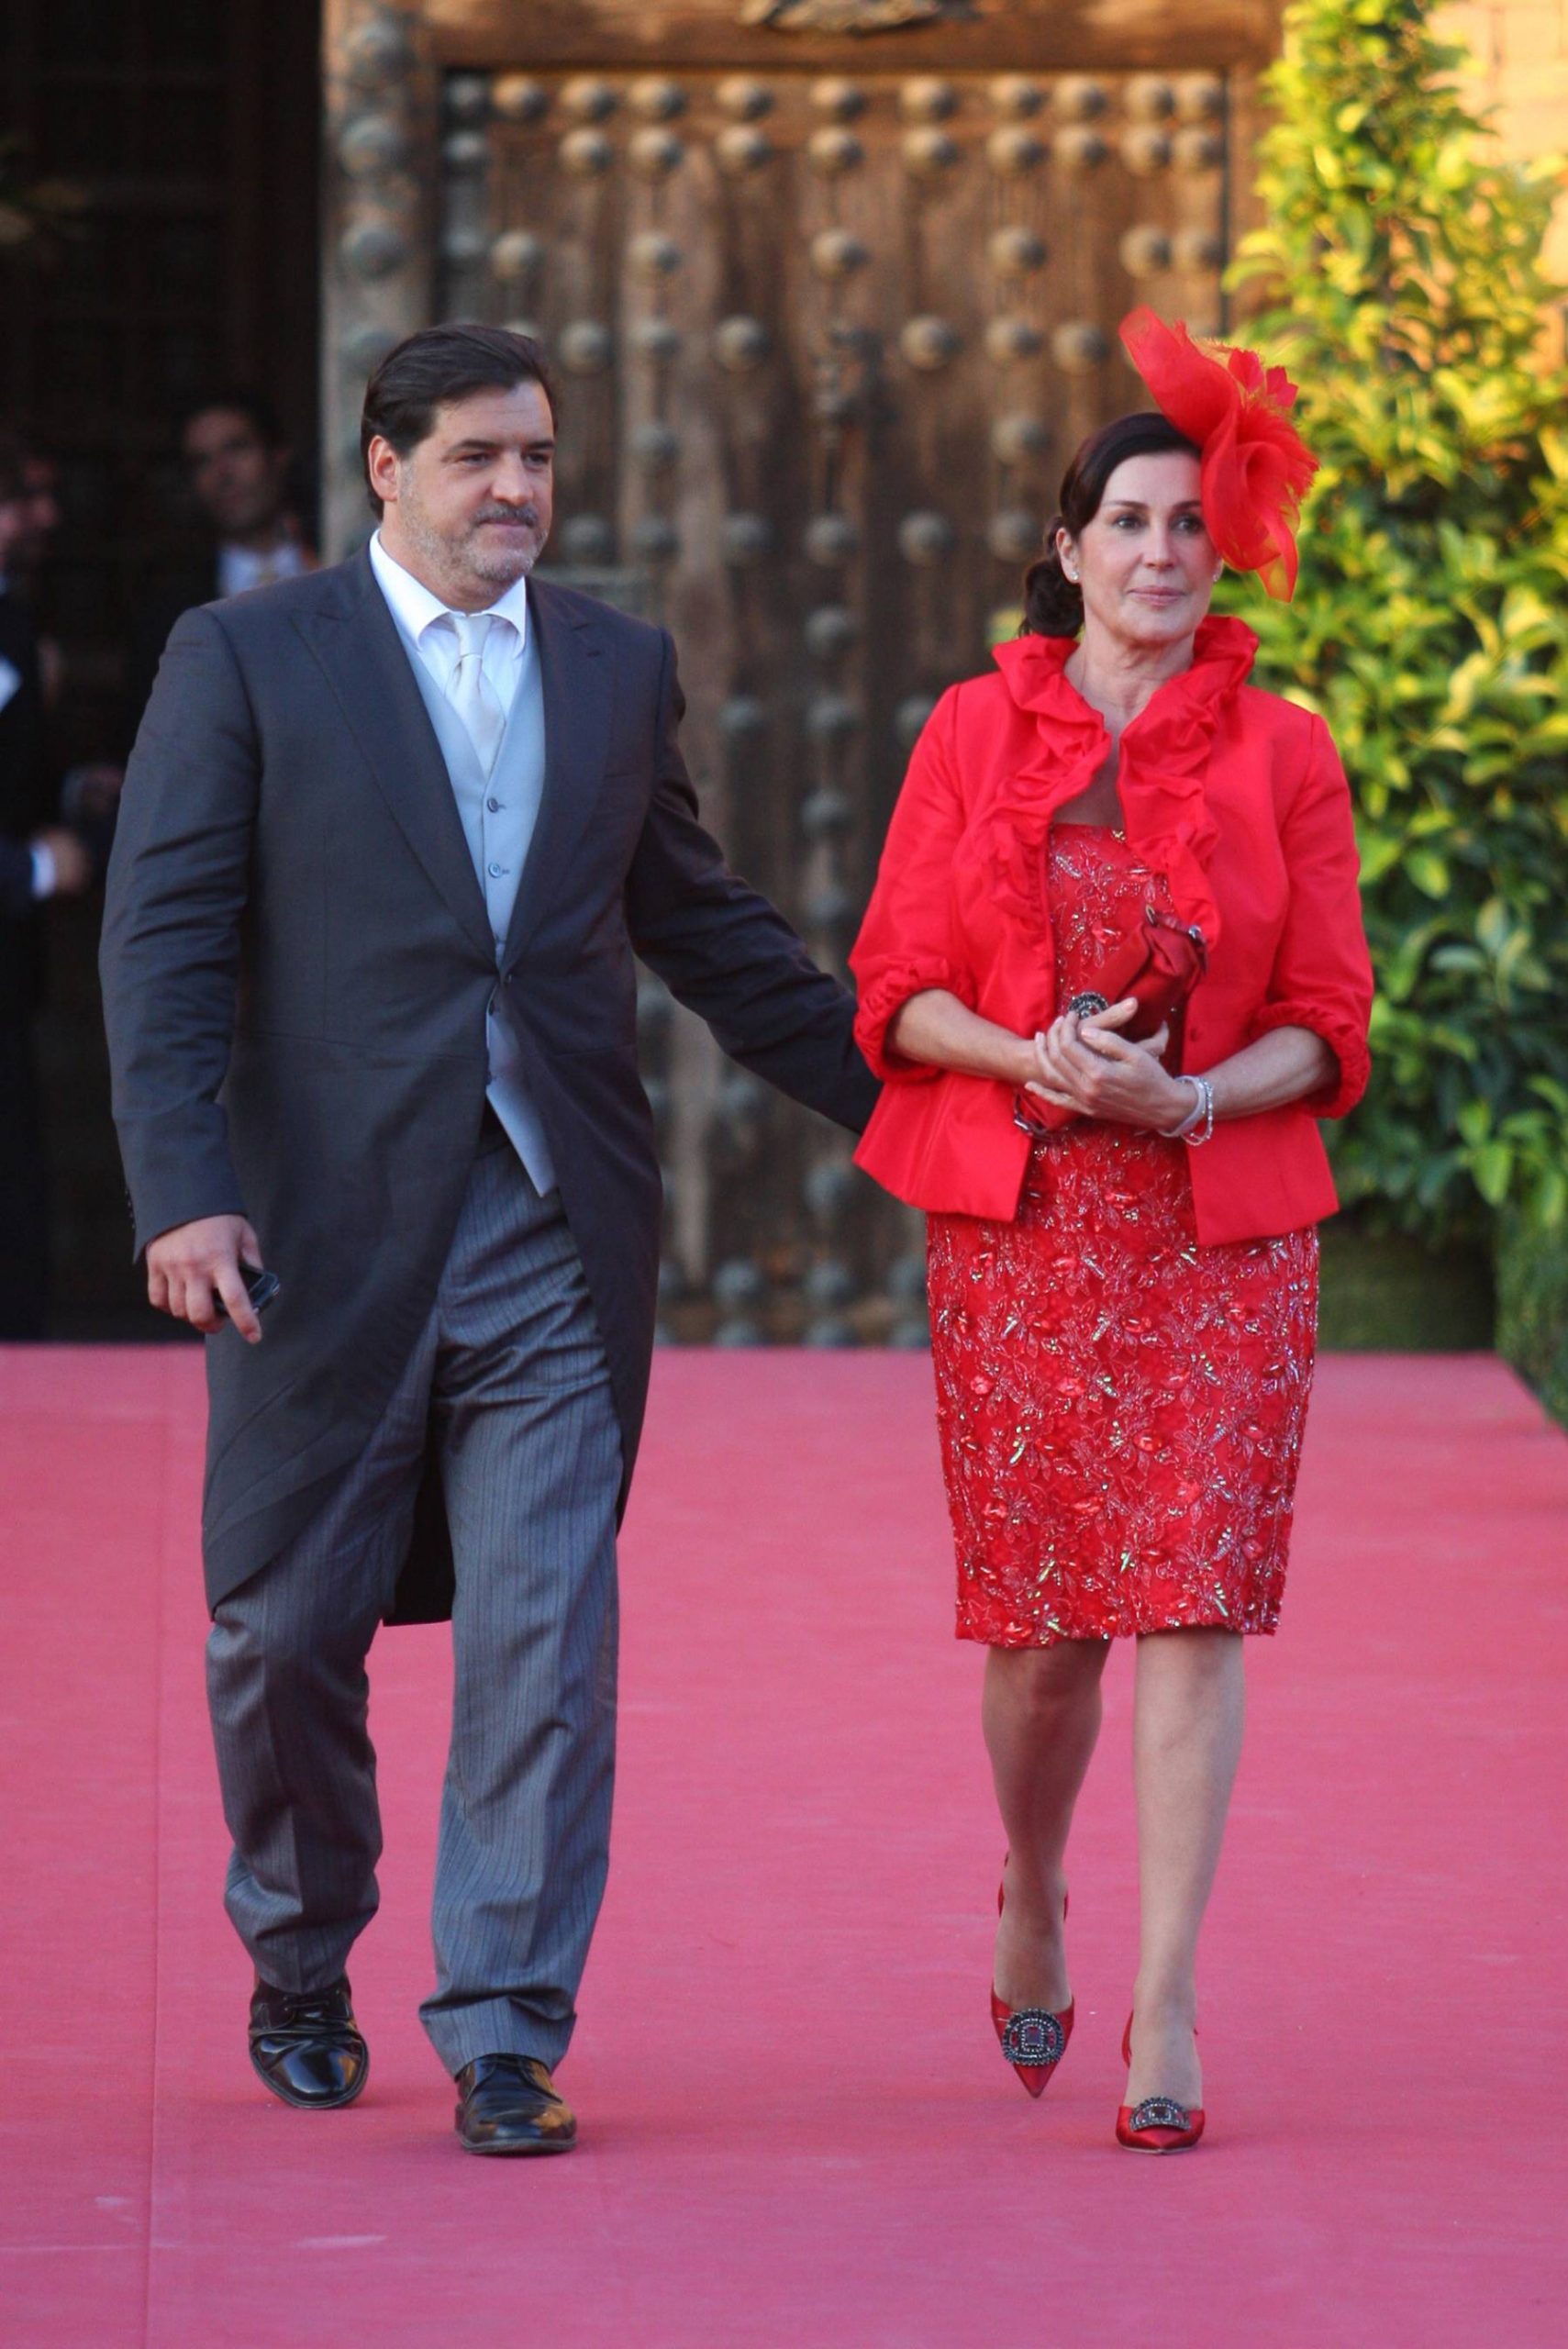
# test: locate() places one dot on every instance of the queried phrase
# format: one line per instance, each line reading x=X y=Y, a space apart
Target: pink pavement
x=796 y=2127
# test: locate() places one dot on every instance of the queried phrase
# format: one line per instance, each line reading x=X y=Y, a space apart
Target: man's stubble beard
x=252 y=518
x=506 y=565
x=466 y=559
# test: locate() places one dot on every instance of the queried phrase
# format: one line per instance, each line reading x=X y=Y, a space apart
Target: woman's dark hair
x=429 y=370
x=1053 y=605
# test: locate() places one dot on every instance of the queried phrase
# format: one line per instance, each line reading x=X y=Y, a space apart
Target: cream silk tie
x=469 y=690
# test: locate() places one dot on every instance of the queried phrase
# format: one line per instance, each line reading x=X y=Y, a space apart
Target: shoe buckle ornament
x=1033 y=2039
x=1160 y=2112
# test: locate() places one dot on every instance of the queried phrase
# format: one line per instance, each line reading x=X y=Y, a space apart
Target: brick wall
x=1521 y=51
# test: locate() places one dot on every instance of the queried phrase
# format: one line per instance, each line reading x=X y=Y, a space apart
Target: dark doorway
x=187 y=136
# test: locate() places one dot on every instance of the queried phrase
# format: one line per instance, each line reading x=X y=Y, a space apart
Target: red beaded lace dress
x=1121 y=1410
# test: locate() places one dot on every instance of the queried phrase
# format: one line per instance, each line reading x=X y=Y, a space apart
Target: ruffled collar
x=1164 y=761
x=1034 y=667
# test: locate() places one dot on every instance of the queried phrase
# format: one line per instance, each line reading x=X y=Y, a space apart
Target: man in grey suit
x=391 y=836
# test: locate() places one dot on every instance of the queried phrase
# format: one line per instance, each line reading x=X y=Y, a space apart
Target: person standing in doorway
x=238 y=468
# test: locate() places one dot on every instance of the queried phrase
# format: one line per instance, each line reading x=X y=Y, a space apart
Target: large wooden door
x=830 y=313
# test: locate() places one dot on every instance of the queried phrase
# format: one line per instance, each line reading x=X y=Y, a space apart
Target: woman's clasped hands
x=1083 y=1064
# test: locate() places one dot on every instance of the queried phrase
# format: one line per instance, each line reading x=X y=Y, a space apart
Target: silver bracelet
x=1184 y=1126
x=1203 y=1131
x=1197 y=1126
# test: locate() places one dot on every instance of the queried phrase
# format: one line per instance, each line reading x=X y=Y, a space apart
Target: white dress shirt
x=498 y=808
x=242 y=568
x=430 y=624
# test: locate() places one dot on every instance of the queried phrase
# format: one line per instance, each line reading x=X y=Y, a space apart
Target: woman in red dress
x=1123 y=1308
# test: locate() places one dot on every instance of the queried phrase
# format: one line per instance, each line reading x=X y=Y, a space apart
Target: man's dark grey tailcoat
x=296 y=967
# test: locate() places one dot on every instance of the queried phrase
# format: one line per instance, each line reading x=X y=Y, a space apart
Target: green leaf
x=1493 y=1168
x=1550 y=1204
x=1428 y=871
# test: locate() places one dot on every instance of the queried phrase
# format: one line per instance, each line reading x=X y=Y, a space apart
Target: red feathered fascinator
x=1255 y=464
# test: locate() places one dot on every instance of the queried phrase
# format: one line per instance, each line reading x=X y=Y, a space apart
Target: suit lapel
x=575 y=682
x=356 y=643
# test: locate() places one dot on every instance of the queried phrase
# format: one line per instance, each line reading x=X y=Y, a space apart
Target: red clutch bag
x=1160 y=966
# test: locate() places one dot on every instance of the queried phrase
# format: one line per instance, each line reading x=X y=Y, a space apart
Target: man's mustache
x=528 y=514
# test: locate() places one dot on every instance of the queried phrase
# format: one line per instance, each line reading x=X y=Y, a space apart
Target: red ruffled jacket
x=1238 y=796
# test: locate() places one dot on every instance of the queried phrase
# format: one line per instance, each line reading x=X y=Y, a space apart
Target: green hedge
x=1385 y=1292
x=1401 y=266
x=1532 y=1306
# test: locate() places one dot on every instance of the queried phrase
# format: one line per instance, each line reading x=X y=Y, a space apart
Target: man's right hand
x=186 y=1265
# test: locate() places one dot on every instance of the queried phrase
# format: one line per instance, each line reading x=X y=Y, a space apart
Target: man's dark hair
x=237 y=399
x=1053 y=604
x=429 y=370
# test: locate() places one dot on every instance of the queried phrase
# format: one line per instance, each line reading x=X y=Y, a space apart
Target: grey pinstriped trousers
x=510 y=1373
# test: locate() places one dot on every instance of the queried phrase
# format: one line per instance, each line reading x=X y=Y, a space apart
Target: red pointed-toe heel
x=1158 y=2126
x=1033 y=2040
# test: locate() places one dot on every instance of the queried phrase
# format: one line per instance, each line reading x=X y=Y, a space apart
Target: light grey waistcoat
x=499 y=820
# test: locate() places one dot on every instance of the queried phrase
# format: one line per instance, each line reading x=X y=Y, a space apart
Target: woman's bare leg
x=1187 y=1719
x=1041 y=1716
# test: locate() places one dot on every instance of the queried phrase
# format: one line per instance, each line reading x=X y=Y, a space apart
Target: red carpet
x=797 y=2127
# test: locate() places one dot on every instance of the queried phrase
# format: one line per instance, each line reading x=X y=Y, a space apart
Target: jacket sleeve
x=905 y=942
x=725 y=953
x=1322 y=973
x=170 y=956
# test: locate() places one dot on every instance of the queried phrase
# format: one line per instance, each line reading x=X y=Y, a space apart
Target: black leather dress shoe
x=306 y=2047
x=507 y=2104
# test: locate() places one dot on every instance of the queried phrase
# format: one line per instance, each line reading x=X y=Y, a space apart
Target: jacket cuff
x=177 y=1169
x=1347 y=1043
x=886 y=996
